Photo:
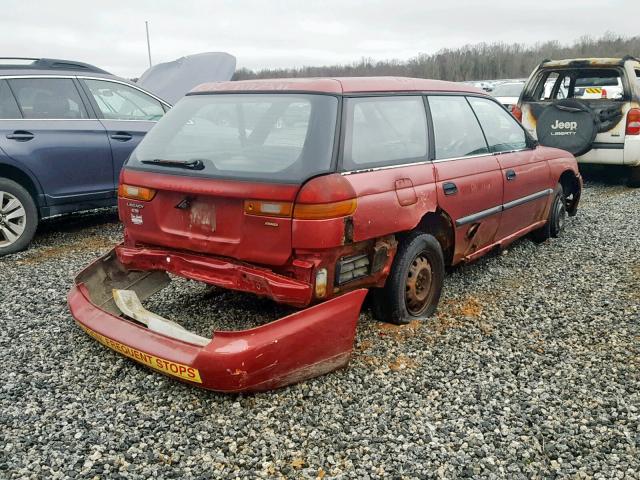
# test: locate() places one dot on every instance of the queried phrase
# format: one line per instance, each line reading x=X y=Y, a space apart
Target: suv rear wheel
x=413 y=288
x=18 y=217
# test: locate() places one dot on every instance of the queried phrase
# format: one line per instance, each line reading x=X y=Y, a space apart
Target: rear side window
x=121 y=102
x=455 y=128
x=384 y=131
x=501 y=130
x=8 y=105
x=545 y=89
x=582 y=83
x=48 y=98
x=595 y=84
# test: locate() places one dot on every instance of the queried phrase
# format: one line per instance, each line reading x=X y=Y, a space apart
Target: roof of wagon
x=338 y=85
x=587 y=62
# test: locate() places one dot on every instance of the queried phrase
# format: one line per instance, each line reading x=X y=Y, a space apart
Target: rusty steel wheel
x=413 y=287
x=419 y=285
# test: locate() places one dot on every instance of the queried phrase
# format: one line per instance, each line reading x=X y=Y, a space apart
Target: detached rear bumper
x=218 y=271
x=303 y=345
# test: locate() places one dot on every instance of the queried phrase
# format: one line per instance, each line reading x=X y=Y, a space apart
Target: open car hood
x=172 y=80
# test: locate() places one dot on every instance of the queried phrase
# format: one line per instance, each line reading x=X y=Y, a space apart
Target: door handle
x=20 y=136
x=449 y=188
x=122 y=136
x=511 y=175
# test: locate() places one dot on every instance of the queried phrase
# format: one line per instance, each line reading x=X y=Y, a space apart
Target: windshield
x=280 y=137
x=508 y=90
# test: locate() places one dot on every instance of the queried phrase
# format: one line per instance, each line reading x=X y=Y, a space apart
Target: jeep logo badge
x=568 y=128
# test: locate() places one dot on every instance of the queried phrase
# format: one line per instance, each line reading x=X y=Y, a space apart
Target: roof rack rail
x=27 y=63
x=630 y=57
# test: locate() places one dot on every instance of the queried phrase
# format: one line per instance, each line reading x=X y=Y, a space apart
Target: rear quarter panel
x=559 y=161
x=392 y=200
x=11 y=163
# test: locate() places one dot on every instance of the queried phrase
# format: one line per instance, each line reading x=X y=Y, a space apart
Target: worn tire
x=30 y=219
x=556 y=219
x=634 y=177
x=419 y=251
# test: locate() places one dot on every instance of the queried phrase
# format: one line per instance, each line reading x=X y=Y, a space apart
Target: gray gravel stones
x=529 y=369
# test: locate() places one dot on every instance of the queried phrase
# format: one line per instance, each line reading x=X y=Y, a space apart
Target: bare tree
x=470 y=62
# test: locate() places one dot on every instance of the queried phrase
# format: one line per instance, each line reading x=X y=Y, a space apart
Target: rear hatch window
x=581 y=84
x=265 y=137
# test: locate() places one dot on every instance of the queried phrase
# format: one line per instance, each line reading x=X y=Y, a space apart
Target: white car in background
x=508 y=93
x=589 y=107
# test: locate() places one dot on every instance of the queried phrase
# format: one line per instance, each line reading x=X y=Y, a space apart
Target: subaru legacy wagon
x=309 y=192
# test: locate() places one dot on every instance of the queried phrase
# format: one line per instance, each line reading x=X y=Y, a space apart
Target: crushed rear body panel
x=300 y=346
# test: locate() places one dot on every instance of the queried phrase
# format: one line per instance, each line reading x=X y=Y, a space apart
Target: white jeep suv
x=590 y=107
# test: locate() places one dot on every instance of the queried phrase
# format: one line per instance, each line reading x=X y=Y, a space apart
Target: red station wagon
x=309 y=192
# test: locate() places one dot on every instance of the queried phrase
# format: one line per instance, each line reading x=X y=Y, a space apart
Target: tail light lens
x=136 y=193
x=633 y=122
x=267 y=209
x=517 y=112
x=317 y=211
x=604 y=93
x=321 y=283
x=327 y=196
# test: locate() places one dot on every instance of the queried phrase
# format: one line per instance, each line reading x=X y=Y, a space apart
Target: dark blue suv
x=66 y=128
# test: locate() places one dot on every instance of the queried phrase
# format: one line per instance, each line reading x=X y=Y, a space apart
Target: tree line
x=480 y=61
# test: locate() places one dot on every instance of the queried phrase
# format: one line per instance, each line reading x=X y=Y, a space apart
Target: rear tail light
x=604 y=93
x=136 y=193
x=517 y=112
x=318 y=211
x=267 y=209
x=633 y=122
x=350 y=268
x=327 y=196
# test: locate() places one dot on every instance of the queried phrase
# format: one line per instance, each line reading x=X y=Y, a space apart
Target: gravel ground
x=530 y=369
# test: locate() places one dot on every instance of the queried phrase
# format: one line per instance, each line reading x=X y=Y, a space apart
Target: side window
x=122 y=102
x=638 y=77
x=56 y=98
x=455 y=128
x=384 y=131
x=596 y=84
x=8 y=106
x=545 y=87
x=502 y=131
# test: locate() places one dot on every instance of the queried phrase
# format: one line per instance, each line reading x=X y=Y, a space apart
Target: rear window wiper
x=195 y=164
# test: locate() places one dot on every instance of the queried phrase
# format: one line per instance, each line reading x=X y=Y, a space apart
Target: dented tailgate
x=207 y=216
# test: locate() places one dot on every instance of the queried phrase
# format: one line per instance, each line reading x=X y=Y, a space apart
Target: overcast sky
x=284 y=33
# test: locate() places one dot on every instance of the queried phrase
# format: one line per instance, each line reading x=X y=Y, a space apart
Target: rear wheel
x=634 y=177
x=18 y=217
x=414 y=285
x=556 y=220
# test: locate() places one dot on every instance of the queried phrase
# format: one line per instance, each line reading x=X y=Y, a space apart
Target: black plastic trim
x=493 y=210
x=478 y=216
x=607 y=146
